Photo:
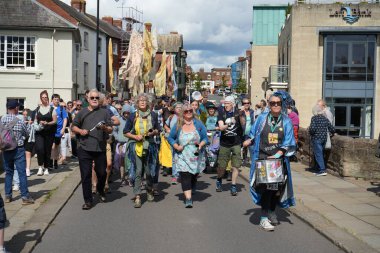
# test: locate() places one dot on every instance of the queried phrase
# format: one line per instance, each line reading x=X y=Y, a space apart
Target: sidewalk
x=28 y=223
x=344 y=210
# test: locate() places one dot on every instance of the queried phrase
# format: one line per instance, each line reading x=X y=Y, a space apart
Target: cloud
x=215 y=32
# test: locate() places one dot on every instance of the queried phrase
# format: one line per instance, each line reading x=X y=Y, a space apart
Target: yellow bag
x=165 y=154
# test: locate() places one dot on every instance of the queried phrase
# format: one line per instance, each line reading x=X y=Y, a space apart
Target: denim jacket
x=201 y=129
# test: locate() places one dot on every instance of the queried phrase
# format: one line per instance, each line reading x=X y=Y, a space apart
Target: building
x=241 y=71
x=221 y=77
x=205 y=77
x=37 y=52
x=333 y=53
x=267 y=23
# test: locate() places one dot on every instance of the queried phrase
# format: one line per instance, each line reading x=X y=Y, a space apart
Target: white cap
x=197 y=95
x=230 y=99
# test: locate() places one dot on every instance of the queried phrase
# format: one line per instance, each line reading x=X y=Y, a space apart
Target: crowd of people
x=141 y=138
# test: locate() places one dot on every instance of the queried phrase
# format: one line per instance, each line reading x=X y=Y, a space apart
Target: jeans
x=86 y=158
x=16 y=179
x=318 y=148
x=15 y=159
x=141 y=168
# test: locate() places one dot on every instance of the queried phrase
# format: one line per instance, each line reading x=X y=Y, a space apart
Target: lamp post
x=97 y=48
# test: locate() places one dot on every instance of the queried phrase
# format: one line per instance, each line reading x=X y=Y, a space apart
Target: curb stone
x=336 y=235
x=34 y=229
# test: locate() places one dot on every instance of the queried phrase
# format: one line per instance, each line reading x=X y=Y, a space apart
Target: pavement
x=27 y=224
x=345 y=210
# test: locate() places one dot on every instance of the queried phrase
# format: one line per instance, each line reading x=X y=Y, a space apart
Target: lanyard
x=274 y=125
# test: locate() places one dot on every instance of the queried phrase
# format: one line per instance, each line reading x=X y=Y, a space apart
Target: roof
x=171 y=43
x=110 y=30
x=18 y=14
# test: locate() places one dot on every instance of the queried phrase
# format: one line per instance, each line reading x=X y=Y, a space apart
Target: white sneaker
x=16 y=188
x=46 y=172
x=40 y=171
x=28 y=172
x=265 y=224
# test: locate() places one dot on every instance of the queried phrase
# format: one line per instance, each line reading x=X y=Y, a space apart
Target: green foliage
x=198 y=83
x=224 y=82
x=241 y=86
x=288 y=10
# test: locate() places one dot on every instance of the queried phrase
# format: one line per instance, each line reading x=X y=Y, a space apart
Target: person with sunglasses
x=272 y=137
x=140 y=128
x=92 y=126
x=248 y=118
x=230 y=125
x=188 y=137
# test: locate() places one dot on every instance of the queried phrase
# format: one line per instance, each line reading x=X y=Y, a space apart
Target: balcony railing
x=278 y=76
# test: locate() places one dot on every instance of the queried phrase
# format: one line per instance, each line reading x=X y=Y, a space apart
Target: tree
x=198 y=83
x=241 y=86
x=224 y=82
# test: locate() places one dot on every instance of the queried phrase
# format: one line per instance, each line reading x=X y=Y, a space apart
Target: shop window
x=341 y=53
x=358 y=54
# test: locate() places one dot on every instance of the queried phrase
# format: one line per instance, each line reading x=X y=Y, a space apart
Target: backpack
x=7 y=138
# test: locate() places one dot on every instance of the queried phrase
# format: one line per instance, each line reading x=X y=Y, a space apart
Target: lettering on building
x=350 y=14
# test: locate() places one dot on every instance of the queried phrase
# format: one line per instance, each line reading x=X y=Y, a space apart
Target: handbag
x=328 y=141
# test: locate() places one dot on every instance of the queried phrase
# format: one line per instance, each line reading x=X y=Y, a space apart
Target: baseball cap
x=12 y=104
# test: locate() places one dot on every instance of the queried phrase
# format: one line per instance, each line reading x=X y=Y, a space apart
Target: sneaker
x=233 y=190
x=174 y=180
x=8 y=199
x=218 y=185
x=150 y=196
x=3 y=250
x=27 y=201
x=40 y=171
x=46 y=172
x=102 y=198
x=28 y=172
x=87 y=206
x=321 y=173
x=137 y=203
x=273 y=218
x=265 y=224
x=189 y=203
x=16 y=188
x=165 y=172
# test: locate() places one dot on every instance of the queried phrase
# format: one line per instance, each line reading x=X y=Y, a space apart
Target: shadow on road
x=36 y=181
x=255 y=214
x=18 y=241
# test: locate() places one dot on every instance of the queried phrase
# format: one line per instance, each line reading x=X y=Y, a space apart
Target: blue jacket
x=201 y=129
x=289 y=144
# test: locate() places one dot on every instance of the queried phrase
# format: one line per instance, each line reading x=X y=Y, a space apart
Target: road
x=217 y=223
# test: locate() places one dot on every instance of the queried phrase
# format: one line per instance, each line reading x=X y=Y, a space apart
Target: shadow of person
x=197 y=196
x=36 y=181
x=201 y=185
x=255 y=215
x=375 y=188
x=19 y=240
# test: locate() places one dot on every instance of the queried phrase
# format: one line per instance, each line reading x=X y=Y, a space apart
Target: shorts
x=3 y=216
x=229 y=153
x=29 y=147
x=57 y=140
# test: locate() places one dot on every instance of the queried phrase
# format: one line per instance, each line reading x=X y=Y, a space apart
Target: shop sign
x=350 y=14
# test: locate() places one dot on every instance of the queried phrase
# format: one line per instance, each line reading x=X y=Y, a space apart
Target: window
x=223 y=74
x=21 y=102
x=85 y=75
x=17 y=52
x=99 y=73
x=85 y=40
x=114 y=48
x=217 y=73
x=208 y=77
x=99 y=45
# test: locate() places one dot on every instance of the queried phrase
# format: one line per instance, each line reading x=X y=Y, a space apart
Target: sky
x=215 y=32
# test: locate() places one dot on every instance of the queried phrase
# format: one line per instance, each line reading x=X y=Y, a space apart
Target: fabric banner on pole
x=160 y=79
x=147 y=56
x=110 y=67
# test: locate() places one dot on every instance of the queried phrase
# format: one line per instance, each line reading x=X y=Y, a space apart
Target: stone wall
x=348 y=157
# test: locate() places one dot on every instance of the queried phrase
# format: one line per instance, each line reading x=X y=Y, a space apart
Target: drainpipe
x=53 y=69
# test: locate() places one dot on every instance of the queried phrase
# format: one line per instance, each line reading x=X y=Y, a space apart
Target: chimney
x=118 y=23
x=148 y=26
x=79 y=5
x=174 y=32
x=109 y=20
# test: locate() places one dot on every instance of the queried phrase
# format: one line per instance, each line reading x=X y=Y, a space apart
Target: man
x=248 y=117
x=92 y=125
x=230 y=125
x=15 y=159
x=62 y=119
x=326 y=110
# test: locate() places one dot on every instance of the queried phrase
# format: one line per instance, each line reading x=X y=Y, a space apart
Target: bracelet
x=277 y=155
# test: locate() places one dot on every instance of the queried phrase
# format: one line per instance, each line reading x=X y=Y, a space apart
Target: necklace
x=188 y=123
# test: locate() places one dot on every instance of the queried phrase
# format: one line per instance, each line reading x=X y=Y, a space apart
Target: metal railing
x=278 y=76
x=334 y=1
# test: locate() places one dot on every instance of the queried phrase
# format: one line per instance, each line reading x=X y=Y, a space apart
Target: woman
x=188 y=138
x=319 y=127
x=198 y=112
x=273 y=138
x=47 y=117
x=140 y=128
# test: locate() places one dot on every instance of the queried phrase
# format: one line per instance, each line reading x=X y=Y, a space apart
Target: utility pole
x=97 y=48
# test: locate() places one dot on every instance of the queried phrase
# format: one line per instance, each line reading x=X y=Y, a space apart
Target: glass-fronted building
x=332 y=52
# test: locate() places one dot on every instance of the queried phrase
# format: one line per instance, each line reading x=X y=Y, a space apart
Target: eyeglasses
x=79 y=105
x=44 y=97
x=94 y=98
x=273 y=103
x=246 y=103
x=187 y=111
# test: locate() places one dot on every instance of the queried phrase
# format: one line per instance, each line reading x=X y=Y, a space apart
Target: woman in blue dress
x=188 y=138
x=272 y=137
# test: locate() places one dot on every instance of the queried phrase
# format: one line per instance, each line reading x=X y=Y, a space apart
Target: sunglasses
x=273 y=103
x=187 y=111
x=94 y=98
x=246 y=103
x=79 y=105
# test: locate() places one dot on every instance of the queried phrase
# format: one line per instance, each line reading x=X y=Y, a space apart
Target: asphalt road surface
x=218 y=222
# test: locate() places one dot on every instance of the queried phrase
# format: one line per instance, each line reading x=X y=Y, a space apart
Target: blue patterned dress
x=186 y=161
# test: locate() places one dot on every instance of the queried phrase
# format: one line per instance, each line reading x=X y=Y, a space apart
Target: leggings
x=269 y=201
x=44 y=143
x=188 y=180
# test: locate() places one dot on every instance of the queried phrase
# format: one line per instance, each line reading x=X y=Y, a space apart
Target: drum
x=269 y=171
